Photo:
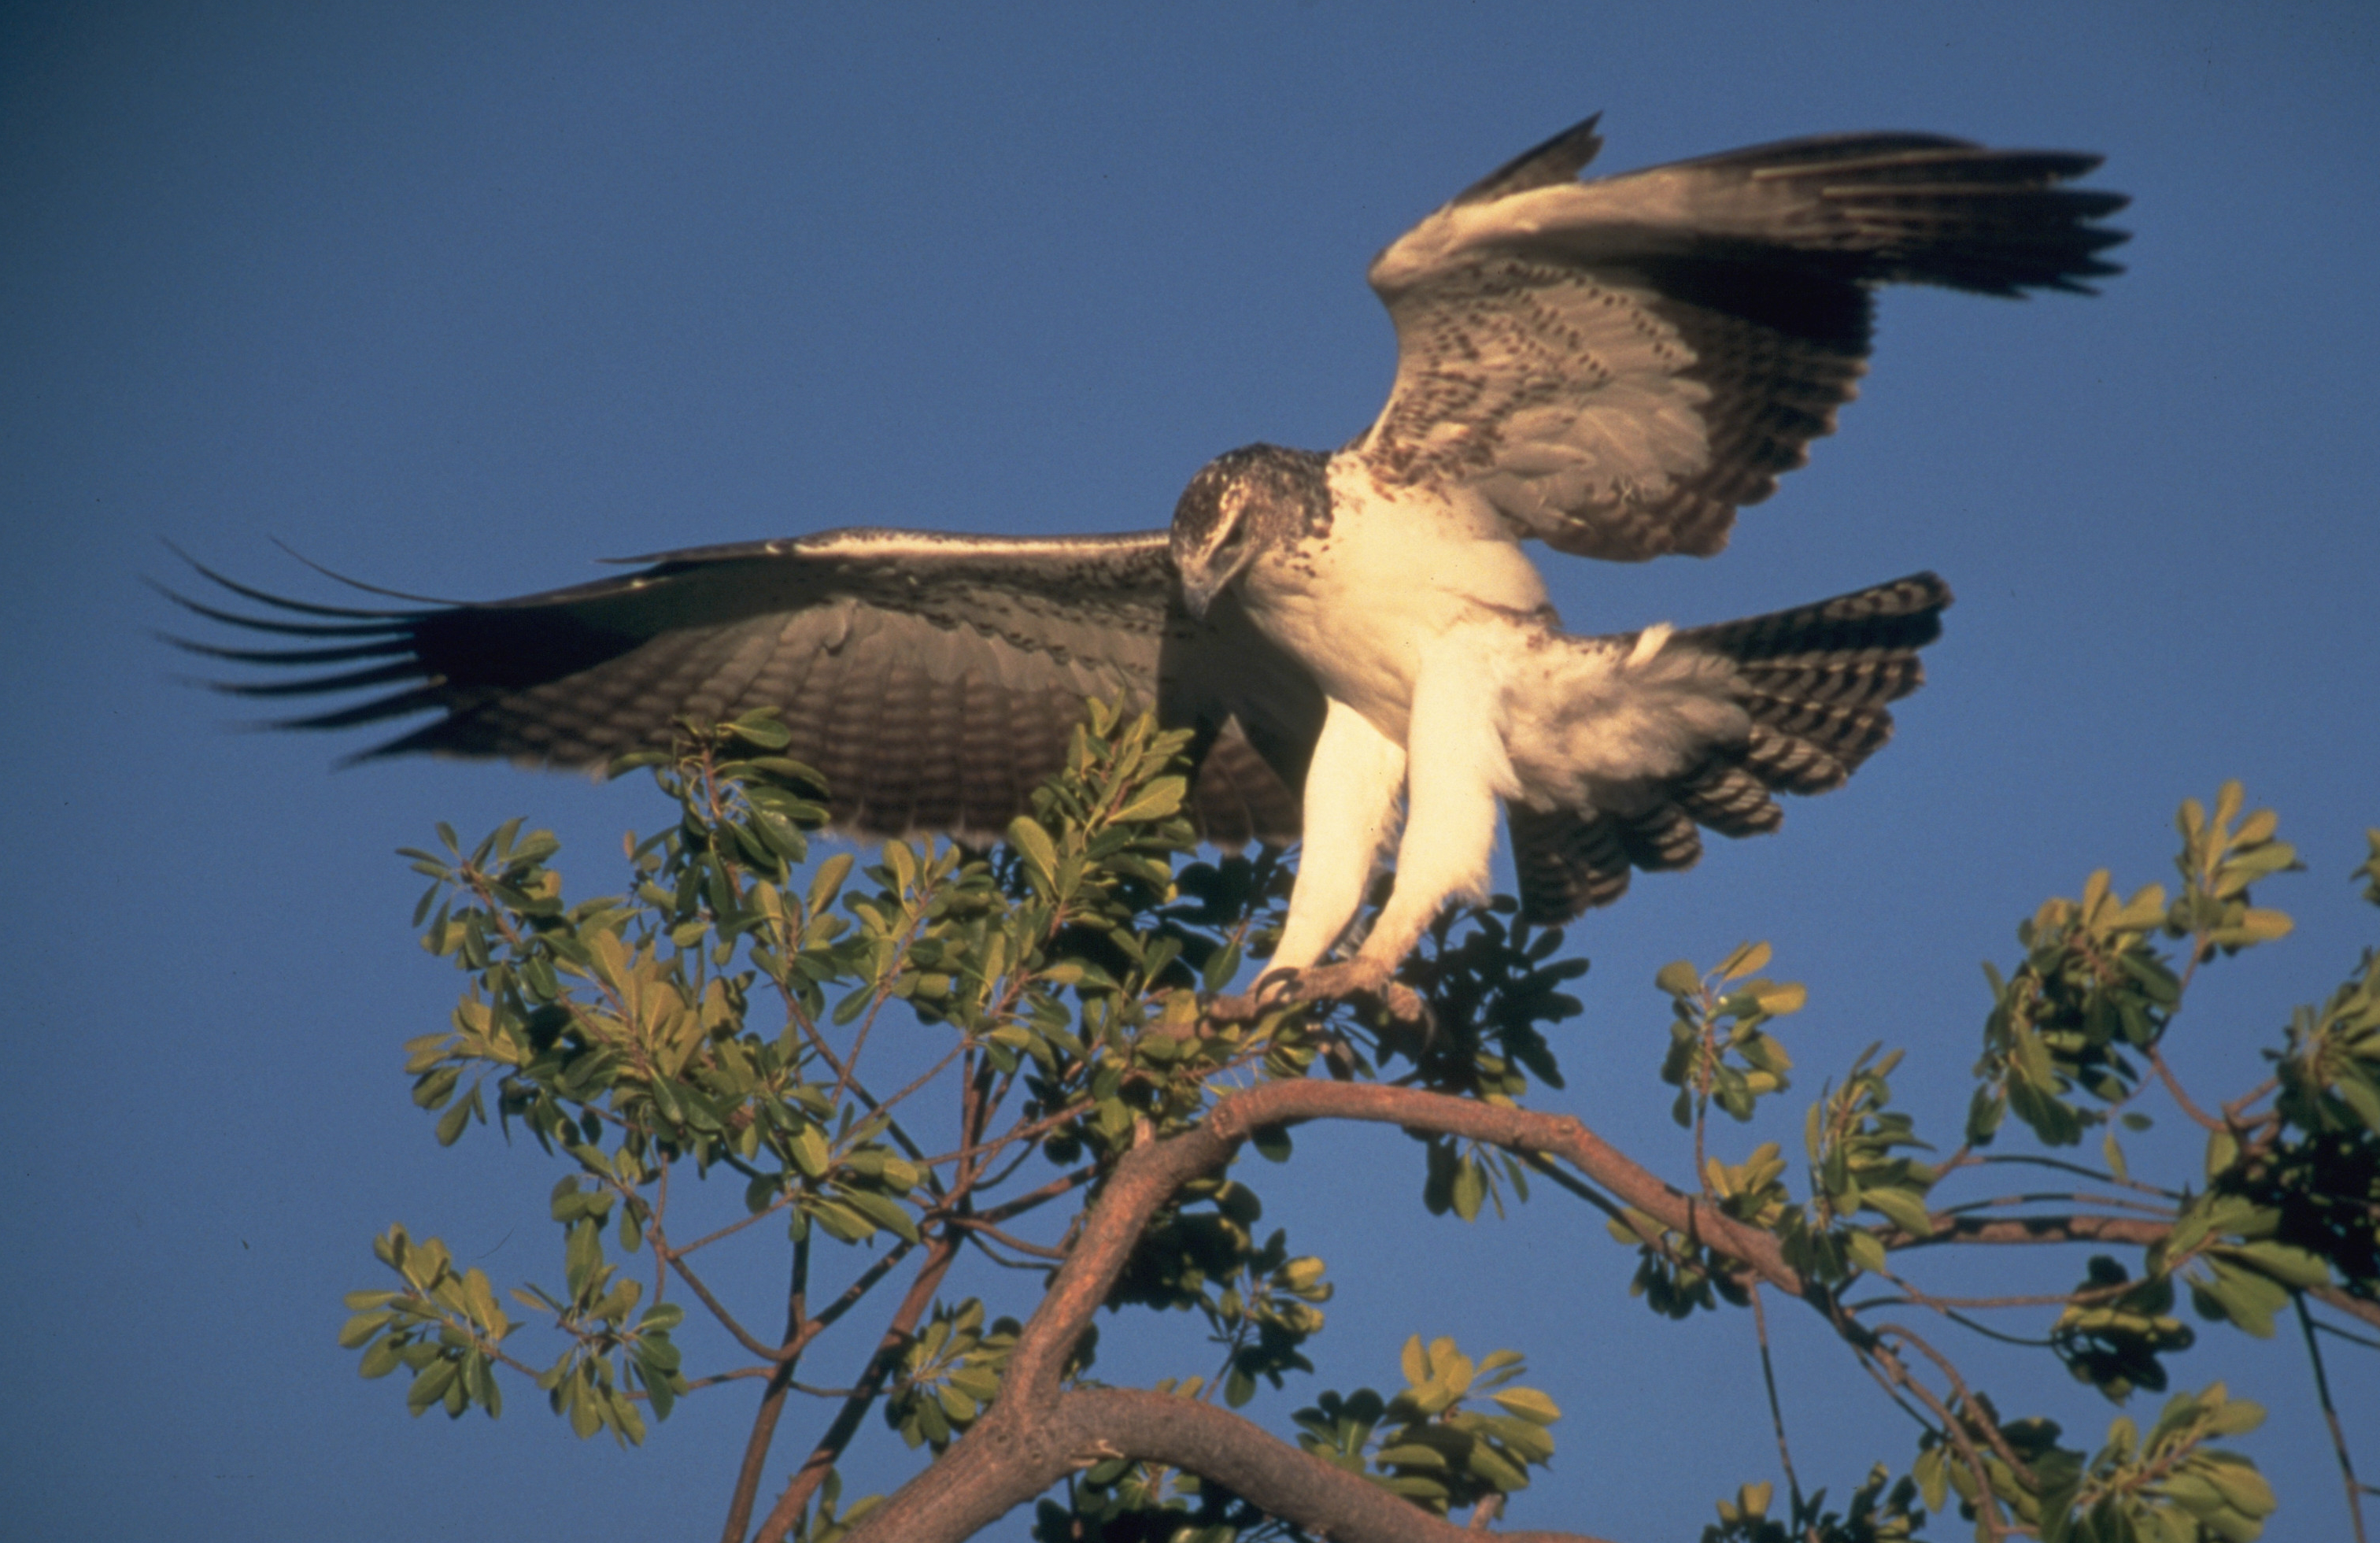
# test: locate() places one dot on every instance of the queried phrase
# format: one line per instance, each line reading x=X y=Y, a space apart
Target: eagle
x=1359 y=639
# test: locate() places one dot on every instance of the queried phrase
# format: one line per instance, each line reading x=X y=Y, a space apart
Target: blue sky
x=459 y=298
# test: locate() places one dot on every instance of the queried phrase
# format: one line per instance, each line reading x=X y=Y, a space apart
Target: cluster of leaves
x=1720 y=1048
x=2313 y=1160
x=1882 y=1510
x=1430 y=1443
x=622 y=1031
x=950 y=1374
x=2114 y=1330
x=1855 y=1142
x=443 y=1326
x=1721 y=1052
x=448 y=1329
x=1494 y=985
x=2167 y=1485
x=2094 y=995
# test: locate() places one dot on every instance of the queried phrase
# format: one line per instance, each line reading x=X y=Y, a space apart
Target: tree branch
x=823 y=1456
x=2353 y=1306
x=773 y=1400
x=1147 y=1176
x=2331 y=1413
x=1003 y=1463
x=2041 y=1229
x=1036 y=1433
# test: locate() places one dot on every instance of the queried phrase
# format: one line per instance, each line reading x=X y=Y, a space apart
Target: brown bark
x=1036 y=1433
x=1002 y=1465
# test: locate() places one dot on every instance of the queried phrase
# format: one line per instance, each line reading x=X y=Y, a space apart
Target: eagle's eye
x=1237 y=533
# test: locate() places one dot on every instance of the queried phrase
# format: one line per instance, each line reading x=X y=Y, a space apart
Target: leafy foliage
x=1431 y=1443
x=886 y=1064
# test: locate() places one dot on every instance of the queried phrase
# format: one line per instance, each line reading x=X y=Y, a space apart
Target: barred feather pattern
x=934 y=680
x=1815 y=680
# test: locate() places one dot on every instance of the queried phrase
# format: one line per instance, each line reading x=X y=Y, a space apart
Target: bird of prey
x=1360 y=637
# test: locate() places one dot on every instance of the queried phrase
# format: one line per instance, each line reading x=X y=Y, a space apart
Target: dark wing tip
x=352 y=636
x=1558 y=160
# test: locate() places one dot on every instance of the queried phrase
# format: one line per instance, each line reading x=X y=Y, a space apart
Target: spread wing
x=1617 y=365
x=934 y=679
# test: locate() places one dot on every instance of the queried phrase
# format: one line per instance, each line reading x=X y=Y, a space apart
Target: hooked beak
x=1199 y=593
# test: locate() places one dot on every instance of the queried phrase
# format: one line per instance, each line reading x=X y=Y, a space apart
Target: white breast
x=1359 y=603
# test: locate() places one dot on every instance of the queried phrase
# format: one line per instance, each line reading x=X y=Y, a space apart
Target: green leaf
x=1864 y=1249
x=845 y=1224
x=1747 y=959
x=1904 y=1208
x=1033 y=844
x=1470 y=1188
x=881 y=1209
x=1413 y=1360
x=361 y=1328
x=811 y=1153
x=1528 y=1404
x=760 y=728
x=1159 y=800
x=380 y=1359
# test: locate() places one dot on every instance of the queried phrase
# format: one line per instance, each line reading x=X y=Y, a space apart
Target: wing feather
x=933 y=679
x=1617 y=365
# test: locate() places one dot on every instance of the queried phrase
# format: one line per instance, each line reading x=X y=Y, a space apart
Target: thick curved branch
x=1148 y=1177
x=997 y=1468
x=1036 y=1433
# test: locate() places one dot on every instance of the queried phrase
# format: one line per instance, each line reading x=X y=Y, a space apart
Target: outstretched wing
x=1815 y=685
x=934 y=679
x=1617 y=365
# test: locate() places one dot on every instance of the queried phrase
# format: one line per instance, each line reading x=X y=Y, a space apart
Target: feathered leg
x=1456 y=771
x=1351 y=815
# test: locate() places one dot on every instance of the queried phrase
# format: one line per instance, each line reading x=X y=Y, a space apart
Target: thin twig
x=1893 y=1372
x=1032 y=1198
x=1992 y=1433
x=2052 y=1196
x=2345 y=1334
x=2180 y=1099
x=744 y=1336
x=2331 y=1413
x=734 y=1227
x=2034 y=1160
x=1776 y=1410
x=974 y=1224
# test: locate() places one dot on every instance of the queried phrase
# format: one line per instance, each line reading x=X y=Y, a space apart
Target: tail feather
x=1814 y=681
x=1730 y=800
x=1661 y=839
x=1846 y=736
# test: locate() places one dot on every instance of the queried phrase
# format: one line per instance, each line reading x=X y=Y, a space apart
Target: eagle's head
x=1242 y=505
